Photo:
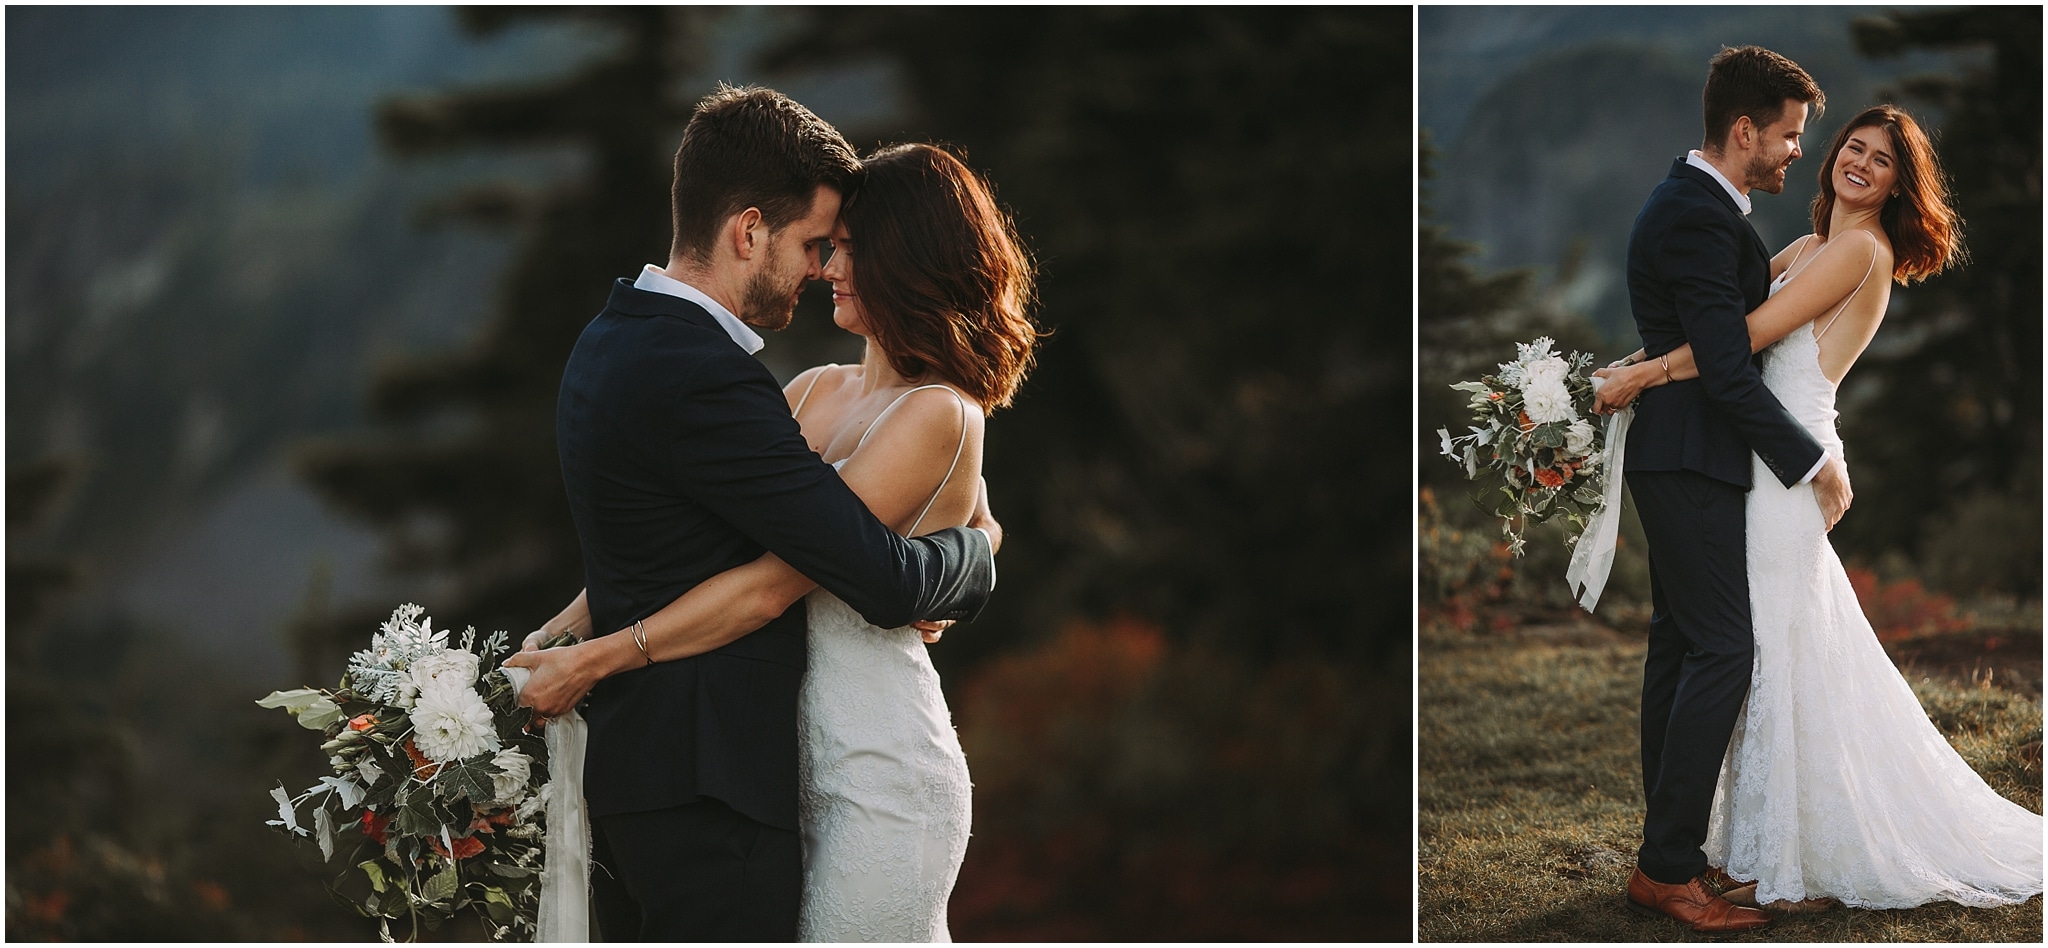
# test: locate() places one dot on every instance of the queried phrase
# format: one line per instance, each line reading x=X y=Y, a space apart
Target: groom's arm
x=1698 y=256
x=736 y=450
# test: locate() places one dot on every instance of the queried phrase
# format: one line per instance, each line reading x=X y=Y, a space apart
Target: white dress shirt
x=1697 y=160
x=654 y=281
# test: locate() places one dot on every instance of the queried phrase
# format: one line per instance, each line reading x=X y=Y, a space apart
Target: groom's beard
x=766 y=305
x=1766 y=175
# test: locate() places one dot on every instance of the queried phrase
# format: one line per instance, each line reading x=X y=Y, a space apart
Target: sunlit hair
x=944 y=283
x=1926 y=233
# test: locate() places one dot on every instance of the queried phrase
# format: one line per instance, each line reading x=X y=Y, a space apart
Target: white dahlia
x=1548 y=402
x=452 y=725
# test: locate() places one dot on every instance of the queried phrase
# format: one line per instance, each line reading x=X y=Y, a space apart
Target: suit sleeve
x=736 y=450
x=1698 y=256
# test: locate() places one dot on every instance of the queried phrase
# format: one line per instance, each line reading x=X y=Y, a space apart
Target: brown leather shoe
x=1718 y=881
x=1692 y=904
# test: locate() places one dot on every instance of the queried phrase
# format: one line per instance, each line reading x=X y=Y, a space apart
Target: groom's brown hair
x=1753 y=81
x=751 y=147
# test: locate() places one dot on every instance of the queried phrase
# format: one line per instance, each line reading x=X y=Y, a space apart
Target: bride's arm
x=894 y=473
x=1822 y=286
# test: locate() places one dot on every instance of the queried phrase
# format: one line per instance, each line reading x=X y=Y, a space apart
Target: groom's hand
x=932 y=630
x=985 y=521
x=1831 y=490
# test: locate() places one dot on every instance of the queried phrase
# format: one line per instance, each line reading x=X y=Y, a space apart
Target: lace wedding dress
x=882 y=792
x=1836 y=784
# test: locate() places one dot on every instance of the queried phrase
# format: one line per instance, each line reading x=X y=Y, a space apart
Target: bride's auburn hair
x=945 y=285
x=1926 y=233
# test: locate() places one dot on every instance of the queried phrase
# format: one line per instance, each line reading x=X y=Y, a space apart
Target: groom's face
x=789 y=260
x=1777 y=148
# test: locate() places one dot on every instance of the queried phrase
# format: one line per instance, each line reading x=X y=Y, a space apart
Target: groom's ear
x=1743 y=133
x=747 y=233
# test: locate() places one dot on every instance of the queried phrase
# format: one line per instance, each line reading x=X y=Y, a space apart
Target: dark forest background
x=288 y=296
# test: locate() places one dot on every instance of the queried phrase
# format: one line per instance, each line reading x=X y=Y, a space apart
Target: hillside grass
x=1530 y=802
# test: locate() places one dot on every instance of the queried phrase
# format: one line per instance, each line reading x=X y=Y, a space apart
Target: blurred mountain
x=205 y=256
x=1556 y=122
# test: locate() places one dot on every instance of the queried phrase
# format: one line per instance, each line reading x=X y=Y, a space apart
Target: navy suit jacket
x=681 y=461
x=1695 y=269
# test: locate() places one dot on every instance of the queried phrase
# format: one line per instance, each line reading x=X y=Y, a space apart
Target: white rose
x=510 y=786
x=452 y=725
x=451 y=669
x=1544 y=372
x=1578 y=439
x=533 y=803
x=1548 y=403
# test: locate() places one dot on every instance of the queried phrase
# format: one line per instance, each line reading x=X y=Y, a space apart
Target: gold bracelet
x=640 y=639
x=1665 y=361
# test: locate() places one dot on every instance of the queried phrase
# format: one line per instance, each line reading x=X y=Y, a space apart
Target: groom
x=681 y=461
x=1695 y=269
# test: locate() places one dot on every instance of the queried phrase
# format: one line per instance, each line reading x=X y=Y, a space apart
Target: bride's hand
x=560 y=679
x=1622 y=386
x=931 y=631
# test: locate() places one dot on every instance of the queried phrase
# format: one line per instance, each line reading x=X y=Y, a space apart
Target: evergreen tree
x=1944 y=427
x=462 y=473
x=1218 y=199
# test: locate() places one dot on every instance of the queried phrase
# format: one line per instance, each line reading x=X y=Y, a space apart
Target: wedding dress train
x=1836 y=783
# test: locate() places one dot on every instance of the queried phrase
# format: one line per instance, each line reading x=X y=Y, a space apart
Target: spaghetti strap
x=807 y=389
x=1852 y=294
x=957 y=449
x=1804 y=242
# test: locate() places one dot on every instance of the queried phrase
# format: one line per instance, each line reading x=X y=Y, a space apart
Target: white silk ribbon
x=1593 y=557
x=565 y=874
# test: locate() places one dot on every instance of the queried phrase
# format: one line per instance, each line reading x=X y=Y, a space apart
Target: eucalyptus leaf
x=318 y=714
x=323 y=830
x=293 y=701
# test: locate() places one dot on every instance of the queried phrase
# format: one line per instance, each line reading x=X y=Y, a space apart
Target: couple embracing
x=770 y=755
x=1786 y=763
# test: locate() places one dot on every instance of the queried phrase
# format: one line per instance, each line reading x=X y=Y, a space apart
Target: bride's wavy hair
x=1925 y=231
x=945 y=284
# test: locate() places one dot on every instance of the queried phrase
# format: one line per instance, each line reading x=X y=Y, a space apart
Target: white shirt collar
x=1697 y=160
x=654 y=281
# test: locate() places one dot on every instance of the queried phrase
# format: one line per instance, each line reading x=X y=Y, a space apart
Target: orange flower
x=362 y=722
x=422 y=767
x=1549 y=477
x=465 y=847
x=489 y=822
x=1525 y=423
x=374 y=825
x=1494 y=396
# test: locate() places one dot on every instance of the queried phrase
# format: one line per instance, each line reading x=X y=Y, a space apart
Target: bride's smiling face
x=846 y=311
x=1865 y=171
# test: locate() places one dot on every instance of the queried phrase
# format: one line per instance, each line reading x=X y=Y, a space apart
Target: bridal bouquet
x=438 y=792
x=1532 y=448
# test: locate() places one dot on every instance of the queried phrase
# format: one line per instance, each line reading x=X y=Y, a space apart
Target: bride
x=929 y=271
x=1836 y=786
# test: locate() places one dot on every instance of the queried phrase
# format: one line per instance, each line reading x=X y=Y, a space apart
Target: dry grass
x=1530 y=804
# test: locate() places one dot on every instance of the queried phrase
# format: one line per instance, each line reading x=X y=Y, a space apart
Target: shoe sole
x=1648 y=912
